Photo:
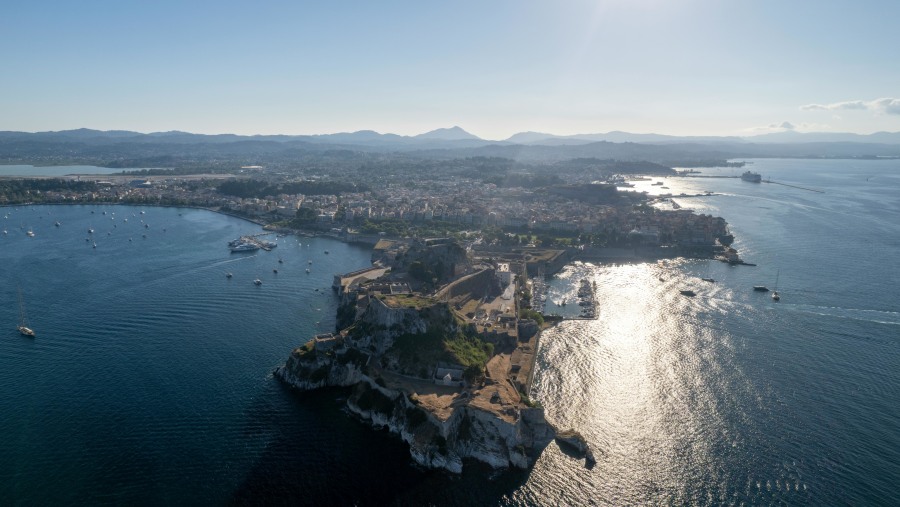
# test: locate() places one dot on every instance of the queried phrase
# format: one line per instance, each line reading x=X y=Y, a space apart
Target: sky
x=494 y=68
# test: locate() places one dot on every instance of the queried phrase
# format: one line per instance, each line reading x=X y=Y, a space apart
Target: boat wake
x=876 y=316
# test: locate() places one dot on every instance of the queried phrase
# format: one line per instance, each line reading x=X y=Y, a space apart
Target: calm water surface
x=57 y=170
x=149 y=382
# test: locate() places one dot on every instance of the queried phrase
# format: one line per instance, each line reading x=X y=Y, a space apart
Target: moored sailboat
x=23 y=320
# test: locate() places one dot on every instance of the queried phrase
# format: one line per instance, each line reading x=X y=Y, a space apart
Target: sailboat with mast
x=23 y=320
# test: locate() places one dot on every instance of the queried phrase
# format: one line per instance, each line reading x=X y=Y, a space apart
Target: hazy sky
x=683 y=67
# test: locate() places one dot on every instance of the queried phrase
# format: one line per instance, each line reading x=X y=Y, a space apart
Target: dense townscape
x=569 y=214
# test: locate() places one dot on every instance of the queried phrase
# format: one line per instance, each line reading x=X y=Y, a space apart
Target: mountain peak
x=454 y=133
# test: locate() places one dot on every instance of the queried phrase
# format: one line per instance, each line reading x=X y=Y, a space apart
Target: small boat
x=710 y=280
x=275 y=270
x=309 y=262
x=307 y=271
x=688 y=293
x=56 y=224
x=257 y=281
x=326 y=252
x=23 y=320
x=228 y=275
x=280 y=261
x=775 y=295
x=30 y=233
x=760 y=288
x=90 y=231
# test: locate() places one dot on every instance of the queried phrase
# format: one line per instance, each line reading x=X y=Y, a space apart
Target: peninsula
x=438 y=347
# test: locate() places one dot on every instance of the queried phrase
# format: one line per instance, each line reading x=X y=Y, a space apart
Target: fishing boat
x=688 y=293
x=23 y=320
x=257 y=281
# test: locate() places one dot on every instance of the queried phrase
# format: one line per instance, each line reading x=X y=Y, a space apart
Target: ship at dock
x=752 y=177
x=250 y=244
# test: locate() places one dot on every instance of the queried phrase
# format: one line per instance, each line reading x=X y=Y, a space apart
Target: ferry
x=752 y=177
x=245 y=247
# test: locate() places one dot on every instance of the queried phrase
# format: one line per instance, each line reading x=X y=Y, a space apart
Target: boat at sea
x=23 y=327
x=257 y=282
x=775 y=295
x=29 y=233
x=688 y=293
x=760 y=288
x=710 y=280
x=752 y=177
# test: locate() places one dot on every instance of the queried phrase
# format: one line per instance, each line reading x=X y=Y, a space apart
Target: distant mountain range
x=460 y=137
x=118 y=147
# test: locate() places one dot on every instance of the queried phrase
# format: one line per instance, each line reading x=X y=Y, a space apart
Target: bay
x=149 y=381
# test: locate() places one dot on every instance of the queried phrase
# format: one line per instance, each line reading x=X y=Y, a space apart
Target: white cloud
x=885 y=105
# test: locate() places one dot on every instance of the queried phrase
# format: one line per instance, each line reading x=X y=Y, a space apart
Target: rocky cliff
x=442 y=424
x=513 y=438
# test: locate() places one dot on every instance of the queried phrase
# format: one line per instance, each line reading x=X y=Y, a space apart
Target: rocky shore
x=501 y=437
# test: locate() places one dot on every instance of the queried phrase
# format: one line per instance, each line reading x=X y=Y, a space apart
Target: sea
x=56 y=171
x=150 y=379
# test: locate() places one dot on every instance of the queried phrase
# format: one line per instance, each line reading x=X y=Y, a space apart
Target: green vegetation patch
x=423 y=351
x=533 y=315
x=307 y=351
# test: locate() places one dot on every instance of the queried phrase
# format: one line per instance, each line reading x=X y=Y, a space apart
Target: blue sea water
x=150 y=379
